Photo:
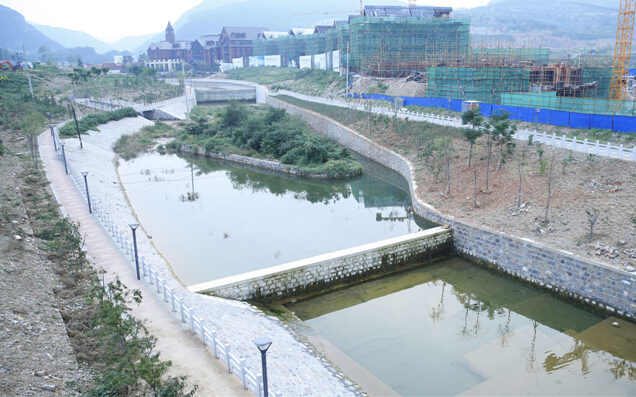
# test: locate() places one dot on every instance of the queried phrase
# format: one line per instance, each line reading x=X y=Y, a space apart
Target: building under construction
x=395 y=41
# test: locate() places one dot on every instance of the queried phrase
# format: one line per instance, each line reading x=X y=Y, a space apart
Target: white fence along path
x=192 y=102
x=237 y=366
x=585 y=146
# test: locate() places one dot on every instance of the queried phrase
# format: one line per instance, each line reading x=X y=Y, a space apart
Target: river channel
x=214 y=219
x=450 y=328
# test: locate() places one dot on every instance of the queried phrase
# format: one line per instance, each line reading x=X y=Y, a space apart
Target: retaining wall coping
x=302 y=264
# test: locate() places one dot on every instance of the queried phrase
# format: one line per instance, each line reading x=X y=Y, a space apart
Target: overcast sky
x=113 y=19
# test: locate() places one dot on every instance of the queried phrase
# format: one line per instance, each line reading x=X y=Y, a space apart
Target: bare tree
x=445 y=149
x=550 y=180
x=519 y=171
x=31 y=126
x=592 y=217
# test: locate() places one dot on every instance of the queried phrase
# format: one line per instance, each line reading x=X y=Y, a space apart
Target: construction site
x=394 y=42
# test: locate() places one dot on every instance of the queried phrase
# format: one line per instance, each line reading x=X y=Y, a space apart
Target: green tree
x=95 y=71
x=105 y=70
x=44 y=52
x=475 y=120
x=503 y=134
x=135 y=70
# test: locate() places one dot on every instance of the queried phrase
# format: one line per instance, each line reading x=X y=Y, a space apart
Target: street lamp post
x=88 y=196
x=64 y=157
x=536 y=122
x=134 y=227
x=263 y=343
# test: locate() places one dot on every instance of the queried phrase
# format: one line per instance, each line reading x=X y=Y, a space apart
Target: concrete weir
x=328 y=271
x=211 y=91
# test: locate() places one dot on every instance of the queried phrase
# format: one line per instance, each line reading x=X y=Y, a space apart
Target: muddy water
x=456 y=329
x=212 y=219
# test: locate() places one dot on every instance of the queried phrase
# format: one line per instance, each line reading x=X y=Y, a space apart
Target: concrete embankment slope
x=591 y=283
x=293 y=369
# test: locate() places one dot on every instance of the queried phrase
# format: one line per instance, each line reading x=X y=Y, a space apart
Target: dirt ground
x=580 y=183
x=36 y=355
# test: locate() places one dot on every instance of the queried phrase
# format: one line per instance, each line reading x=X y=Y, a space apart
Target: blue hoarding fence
x=559 y=118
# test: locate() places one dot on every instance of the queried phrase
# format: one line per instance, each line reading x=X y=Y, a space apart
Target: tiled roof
x=251 y=33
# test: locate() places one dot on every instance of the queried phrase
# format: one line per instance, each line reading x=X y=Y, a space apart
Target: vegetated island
x=271 y=136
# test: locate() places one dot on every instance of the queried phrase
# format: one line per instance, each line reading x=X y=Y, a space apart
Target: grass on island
x=129 y=146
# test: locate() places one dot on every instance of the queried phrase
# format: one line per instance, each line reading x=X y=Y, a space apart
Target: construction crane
x=623 y=48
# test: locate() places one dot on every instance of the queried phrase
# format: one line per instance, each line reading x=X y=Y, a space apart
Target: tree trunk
x=470 y=153
x=475 y=169
x=488 y=164
x=519 y=192
x=448 y=178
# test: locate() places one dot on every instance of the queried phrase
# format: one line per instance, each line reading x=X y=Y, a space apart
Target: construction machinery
x=622 y=51
x=6 y=65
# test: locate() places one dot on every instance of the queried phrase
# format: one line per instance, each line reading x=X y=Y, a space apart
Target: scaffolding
x=315 y=44
x=390 y=46
x=263 y=47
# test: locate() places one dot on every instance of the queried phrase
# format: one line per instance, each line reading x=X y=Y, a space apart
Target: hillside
x=73 y=38
x=16 y=32
x=211 y=15
x=575 y=23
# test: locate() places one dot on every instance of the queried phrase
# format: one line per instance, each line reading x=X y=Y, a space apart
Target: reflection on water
x=212 y=219
x=453 y=328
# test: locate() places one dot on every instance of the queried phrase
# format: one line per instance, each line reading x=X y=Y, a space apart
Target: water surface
x=454 y=328
x=212 y=219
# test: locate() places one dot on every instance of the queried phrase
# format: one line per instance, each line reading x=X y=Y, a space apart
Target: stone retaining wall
x=591 y=283
x=294 y=279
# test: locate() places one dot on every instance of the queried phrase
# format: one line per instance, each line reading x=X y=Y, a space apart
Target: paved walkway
x=175 y=341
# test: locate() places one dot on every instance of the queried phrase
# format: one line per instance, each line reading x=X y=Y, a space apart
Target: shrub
x=91 y=121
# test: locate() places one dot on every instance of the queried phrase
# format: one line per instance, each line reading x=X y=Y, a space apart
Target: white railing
x=584 y=146
x=192 y=102
x=234 y=365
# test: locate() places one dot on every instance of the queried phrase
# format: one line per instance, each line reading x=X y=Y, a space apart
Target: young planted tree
x=519 y=171
x=445 y=149
x=503 y=134
x=31 y=126
x=550 y=180
x=592 y=217
x=475 y=120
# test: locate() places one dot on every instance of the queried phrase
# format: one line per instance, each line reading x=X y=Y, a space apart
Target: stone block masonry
x=324 y=272
x=560 y=272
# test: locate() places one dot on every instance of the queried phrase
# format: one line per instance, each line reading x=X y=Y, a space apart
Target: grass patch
x=91 y=121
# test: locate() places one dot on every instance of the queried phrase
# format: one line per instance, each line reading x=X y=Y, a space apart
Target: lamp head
x=84 y=173
x=133 y=226
x=263 y=343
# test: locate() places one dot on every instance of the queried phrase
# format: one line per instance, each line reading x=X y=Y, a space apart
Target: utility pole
x=28 y=74
x=185 y=87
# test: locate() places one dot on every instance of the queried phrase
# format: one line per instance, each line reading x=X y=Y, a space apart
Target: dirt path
x=176 y=342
